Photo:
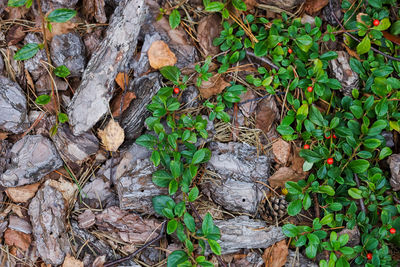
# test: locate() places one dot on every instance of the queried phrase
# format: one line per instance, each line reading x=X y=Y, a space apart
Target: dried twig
x=355 y=38
x=316 y=205
x=361 y=200
x=160 y=235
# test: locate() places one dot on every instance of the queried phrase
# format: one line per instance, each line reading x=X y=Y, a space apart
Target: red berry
x=330 y=161
x=334 y=136
x=392 y=231
x=176 y=90
x=376 y=22
x=327 y=136
x=369 y=256
x=290 y=50
x=310 y=89
x=279 y=44
x=306 y=146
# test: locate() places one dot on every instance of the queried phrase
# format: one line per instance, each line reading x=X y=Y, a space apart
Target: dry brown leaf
x=116 y=103
x=215 y=85
x=3 y=136
x=281 y=151
x=66 y=188
x=15 y=35
x=60 y=28
x=70 y=261
x=160 y=55
x=393 y=38
x=351 y=52
x=266 y=113
x=250 y=4
x=17 y=238
x=276 y=255
x=209 y=28
x=297 y=161
x=359 y=18
x=313 y=6
x=121 y=79
x=283 y=175
x=99 y=261
x=112 y=136
x=17 y=210
x=22 y=194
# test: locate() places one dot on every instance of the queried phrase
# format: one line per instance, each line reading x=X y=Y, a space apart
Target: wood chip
x=276 y=255
x=22 y=194
x=70 y=261
x=160 y=55
x=112 y=136
x=66 y=188
x=18 y=239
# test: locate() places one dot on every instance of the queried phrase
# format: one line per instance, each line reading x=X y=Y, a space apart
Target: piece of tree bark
x=243 y=232
x=297 y=260
x=90 y=102
x=133 y=118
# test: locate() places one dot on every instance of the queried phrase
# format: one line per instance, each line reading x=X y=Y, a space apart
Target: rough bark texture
x=341 y=70
x=133 y=118
x=394 y=163
x=32 y=157
x=239 y=168
x=12 y=107
x=90 y=102
x=298 y=260
x=75 y=148
x=285 y=4
x=47 y=213
x=243 y=232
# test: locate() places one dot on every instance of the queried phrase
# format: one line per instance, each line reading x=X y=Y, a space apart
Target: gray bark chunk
x=47 y=213
x=243 y=232
x=75 y=148
x=284 y=4
x=133 y=118
x=90 y=101
x=33 y=65
x=1 y=64
x=5 y=148
x=298 y=260
x=341 y=70
x=239 y=169
x=50 y=5
x=13 y=107
x=97 y=194
x=18 y=224
x=32 y=157
x=394 y=163
x=354 y=236
x=44 y=84
x=68 y=49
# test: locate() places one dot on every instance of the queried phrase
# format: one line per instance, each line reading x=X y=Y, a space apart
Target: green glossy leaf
x=239 y=5
x=215 y=247
x=171 y=226
x=147 y=140
x=171 y=73
x=359 y=165
x=304 y=42
x=160 y=202
x=174 y=19
x=385 y=152
x=61 y=15
x=62 y=117
x=16 y=3
x=294 y=207
x=162 y=178
x=355 y=193
x=27 y=51
x=176 y=257
x=290 y=230
x=189 y=222
x=62 y=71
x=214 y=6
x=193 y=194
x=364 y=46
x=43 y=100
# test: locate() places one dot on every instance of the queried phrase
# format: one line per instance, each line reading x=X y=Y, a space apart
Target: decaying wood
x=90 y=102
x=133 y=118
x=243 y=232
x=47 y=213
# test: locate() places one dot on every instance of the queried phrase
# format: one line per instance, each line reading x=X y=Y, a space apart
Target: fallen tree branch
x=151 y=242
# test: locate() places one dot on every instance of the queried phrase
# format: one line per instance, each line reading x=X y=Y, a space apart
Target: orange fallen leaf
x=276 y=255
x=121 y=79
x=313 y=6
x=393 y=38
x=70 y=261
x=112 y=136
x=22 y=194
x=281 y=151
x=160 y=55
x=116 y=103
x=215 y=85
x=18 y=239
x=60 y=28
x=3 y=136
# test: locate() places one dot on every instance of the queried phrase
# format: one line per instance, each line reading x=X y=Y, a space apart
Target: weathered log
x=90 y=102
x=243 y=232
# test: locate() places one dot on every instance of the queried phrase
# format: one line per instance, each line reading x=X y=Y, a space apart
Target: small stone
x=388 y=138
x=68 y=49
x=160 y=55
x=394 y=163
x=34 y=65
x=47 y=213
x=32 y=157
x=13 y=107
x=281 y=150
